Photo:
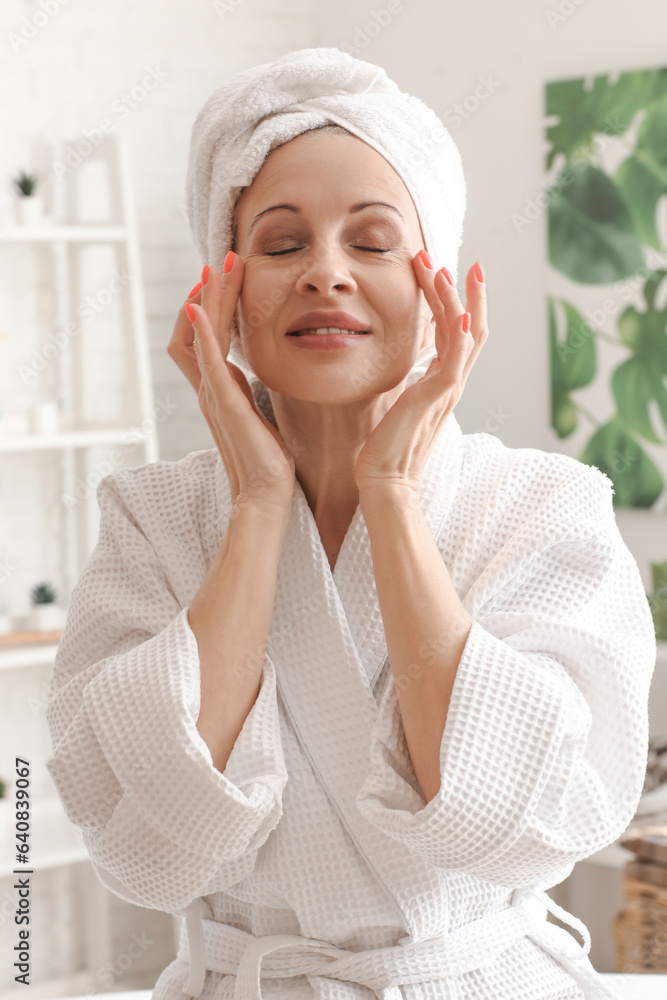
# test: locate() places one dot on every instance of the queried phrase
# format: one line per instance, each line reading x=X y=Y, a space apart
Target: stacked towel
x=267 y=105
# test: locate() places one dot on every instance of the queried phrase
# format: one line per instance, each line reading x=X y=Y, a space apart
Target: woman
x=350 y=690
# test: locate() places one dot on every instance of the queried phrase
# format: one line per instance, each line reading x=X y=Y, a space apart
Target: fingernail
x=204 y=274
x=448 y=276
x=229 y=262
x=425 y=257
x=479 y=271
x=466 y=322
x=190 y=311
x=195 y=290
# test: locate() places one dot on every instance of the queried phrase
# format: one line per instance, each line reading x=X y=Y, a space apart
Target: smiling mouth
x=324 y=330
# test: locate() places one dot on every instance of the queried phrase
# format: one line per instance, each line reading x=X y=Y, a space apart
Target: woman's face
x=326 y=252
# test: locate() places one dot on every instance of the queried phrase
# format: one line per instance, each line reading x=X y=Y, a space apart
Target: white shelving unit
x=70 y=439
x=65 y=238
x=55 y=843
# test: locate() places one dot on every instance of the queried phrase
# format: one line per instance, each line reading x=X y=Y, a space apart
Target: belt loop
x=196 y=911
x=571 y=921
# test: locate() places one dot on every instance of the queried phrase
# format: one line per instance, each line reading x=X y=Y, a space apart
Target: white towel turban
x=267 y=105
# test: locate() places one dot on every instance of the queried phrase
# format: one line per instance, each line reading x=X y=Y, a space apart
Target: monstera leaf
x=592 y=238
x=634 y=384
x=658 y=599
x=637 y=481
x=607 y=107
x=638 y=381
x=573 y=365
x=642 y=177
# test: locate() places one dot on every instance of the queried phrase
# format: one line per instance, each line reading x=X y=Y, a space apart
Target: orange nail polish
x=229 y=262
x=447 y=275
x=195 y=290
x=204 y=274
x=466 y=322
x=479 y=271
x=190 y=311
x=427 y=260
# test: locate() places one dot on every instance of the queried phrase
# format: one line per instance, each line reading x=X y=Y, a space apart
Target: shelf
x=54 y=840
x=35 y=655
x=76 y=986
x=611 y=856
x=56 y=844
x=64 y=234
x=69 y=439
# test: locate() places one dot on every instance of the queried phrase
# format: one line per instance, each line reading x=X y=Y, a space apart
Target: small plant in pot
x=45 y=615
x=29 y=205
x=5 y=816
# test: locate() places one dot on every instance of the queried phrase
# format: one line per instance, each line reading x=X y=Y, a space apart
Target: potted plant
x=29 y=206
x=46 y=615
x=5 y=816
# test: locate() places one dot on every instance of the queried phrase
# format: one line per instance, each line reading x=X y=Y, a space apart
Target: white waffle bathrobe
x=315 y=842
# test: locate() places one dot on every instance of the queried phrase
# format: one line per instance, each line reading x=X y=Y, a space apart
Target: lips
x=330 y=331
x=321 y=319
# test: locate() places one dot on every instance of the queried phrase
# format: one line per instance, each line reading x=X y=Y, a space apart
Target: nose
x=325 y=269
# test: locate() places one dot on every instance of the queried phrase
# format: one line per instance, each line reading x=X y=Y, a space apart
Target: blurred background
x=97 y=101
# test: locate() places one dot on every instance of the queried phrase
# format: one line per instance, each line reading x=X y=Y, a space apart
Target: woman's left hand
x=397 y=450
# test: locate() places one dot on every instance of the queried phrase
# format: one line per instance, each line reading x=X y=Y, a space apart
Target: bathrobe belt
x=207 y=944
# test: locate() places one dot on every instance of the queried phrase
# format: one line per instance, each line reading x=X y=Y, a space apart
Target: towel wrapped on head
x=267 y=105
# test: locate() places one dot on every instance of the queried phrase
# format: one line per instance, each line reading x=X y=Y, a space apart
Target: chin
x=328 y=386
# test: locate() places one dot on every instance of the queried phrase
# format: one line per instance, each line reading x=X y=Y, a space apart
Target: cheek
x=245 y=306
x=402 y=303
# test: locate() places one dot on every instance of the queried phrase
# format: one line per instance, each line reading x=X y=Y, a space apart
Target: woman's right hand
x=259 y=465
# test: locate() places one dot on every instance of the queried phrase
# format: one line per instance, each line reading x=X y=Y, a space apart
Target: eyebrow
x=355 y=208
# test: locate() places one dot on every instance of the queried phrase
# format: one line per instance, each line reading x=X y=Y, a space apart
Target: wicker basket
x=640 y=929
x=619 y=940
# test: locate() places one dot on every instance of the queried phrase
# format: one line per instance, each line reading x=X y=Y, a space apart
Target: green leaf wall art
x=606 y=205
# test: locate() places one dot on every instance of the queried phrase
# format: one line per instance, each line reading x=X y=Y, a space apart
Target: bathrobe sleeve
x=162 y=825
x=544 y=749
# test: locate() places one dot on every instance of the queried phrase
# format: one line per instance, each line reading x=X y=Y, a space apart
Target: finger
x=459 y=352
x=242 y=381
x=425 y=278
x=244 y=385
x=476 y=305
x=209 y=358
x=450 y=366
x=211 y=295
x=443 y=300
x=181 y=349
x=232 y=280
x=221 y=384
x=446 y=296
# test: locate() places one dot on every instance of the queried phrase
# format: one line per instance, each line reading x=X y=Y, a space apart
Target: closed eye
x=278 y=253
